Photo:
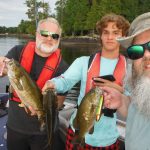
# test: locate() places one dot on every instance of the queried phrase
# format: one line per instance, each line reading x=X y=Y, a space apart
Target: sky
x=13 y=11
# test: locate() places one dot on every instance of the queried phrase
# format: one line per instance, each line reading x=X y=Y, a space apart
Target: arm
x=113 y=99
x=67 y=80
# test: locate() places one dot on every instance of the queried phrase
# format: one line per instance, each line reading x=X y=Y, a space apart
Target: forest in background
x=77 y=17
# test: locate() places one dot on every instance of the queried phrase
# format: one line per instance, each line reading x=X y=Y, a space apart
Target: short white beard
x=138 y=85
x=46 y=49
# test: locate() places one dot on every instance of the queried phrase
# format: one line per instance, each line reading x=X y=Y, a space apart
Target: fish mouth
x=5 y=62
x=8 y=62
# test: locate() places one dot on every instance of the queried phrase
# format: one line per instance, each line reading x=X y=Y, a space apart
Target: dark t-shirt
x=18 y=119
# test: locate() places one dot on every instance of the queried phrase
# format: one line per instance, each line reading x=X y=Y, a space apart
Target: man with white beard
x=42 y=60
x=136 y=107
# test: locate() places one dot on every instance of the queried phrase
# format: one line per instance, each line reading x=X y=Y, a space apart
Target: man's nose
x=49 y=37
x=147 y=53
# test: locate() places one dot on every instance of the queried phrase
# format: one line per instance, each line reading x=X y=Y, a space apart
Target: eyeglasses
x=44 y=33
x=137 y=51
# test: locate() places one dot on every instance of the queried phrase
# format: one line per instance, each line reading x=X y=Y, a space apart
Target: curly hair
x=120 y=21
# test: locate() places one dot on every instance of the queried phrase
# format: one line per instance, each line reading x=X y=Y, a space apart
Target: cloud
x=13 y=11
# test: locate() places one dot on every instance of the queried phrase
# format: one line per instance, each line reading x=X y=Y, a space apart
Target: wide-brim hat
x=139 y=25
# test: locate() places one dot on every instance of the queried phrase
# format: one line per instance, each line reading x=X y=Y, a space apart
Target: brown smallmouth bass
x=86 y=115
x=46 y=105
x=26 y=89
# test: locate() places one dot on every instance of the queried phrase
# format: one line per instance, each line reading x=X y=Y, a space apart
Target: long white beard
x=138 y=84
x=46 y=49
x=140 y=94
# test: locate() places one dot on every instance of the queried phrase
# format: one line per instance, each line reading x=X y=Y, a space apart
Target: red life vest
x=94 y=70
x=48 y=70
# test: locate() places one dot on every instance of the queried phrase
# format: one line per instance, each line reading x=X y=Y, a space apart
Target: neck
x=110 y=54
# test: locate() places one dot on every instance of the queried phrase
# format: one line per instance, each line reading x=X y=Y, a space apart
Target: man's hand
x=28 y=109
x=104 y=82
x=112 y=98
x=48 y=85
x=3 y=69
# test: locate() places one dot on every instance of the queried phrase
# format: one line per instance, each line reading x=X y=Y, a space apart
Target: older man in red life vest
x=42 y=60
x=87 y=69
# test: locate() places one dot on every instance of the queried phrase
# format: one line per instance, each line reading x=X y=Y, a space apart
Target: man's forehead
x=142 y=38
x=49 y=26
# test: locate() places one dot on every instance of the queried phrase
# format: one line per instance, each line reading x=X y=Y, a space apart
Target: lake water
x=70 y=51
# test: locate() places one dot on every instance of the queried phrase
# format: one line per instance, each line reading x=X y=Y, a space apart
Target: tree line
x=78 y=17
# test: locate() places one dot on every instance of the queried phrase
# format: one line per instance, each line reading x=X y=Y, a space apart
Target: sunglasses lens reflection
x=135 y=52
x=46 y=34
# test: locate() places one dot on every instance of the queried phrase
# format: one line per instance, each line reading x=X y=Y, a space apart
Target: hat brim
x=127 y=41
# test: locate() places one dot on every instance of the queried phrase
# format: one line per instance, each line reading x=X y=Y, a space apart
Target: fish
x=50 y=104
x=26 y=89
x=86 y=115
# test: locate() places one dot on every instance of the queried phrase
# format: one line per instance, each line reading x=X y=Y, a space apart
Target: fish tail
x=42 y=126
x=41 y=118
x=78 y=141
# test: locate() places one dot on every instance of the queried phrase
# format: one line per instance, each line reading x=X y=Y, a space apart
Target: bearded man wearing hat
x=136 y=106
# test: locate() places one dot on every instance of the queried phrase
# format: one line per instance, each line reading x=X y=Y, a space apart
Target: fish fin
x=75 y=123
x=18 y=84
x=21 y=105
x=20 y=87
x=11 y=89
x=78 y=141
x=25 y=107
x=91 y=130
x=93 y=107
x=42 y=125
x=76 y=132
x=82 y=144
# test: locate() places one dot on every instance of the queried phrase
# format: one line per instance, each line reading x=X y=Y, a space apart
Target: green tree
x=60 y=5
x=26 y=27
x=81 y=16
x=93 y=15
x=37 y=10
x=100 y=8
x=69 y=16
x=129 y=9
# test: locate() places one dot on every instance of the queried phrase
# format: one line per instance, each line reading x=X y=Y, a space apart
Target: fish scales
x=26 y=89
x=86 y=115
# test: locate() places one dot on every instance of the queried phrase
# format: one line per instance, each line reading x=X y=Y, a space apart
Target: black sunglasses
x=44 y=33
x=137 y=51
